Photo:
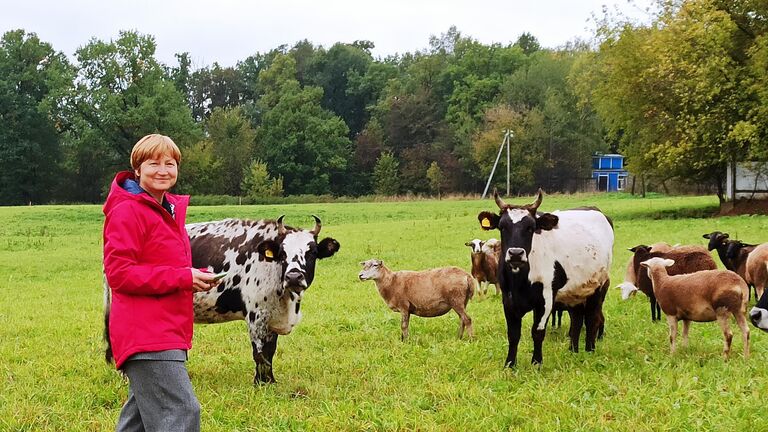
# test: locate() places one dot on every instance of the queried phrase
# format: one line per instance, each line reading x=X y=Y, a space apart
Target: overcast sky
x=226 y=31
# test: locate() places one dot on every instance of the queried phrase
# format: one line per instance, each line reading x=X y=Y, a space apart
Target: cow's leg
x=406 y=316
x=592 y=313
x=537 y=335
x=263 y=351
x=514 y=323
x=577 y=321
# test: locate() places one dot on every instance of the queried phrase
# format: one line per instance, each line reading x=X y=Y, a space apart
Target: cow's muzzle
x=516 y=259
x=759 y=318
x=294 y=279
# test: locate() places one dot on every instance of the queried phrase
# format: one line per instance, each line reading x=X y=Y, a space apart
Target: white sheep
x=427 y=293
x=703 y=296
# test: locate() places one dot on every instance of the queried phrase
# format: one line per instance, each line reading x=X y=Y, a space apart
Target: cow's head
x=297 y=251
x=518 y=225
x=716 y=239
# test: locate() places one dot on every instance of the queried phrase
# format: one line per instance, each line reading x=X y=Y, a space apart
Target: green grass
x=344 y=367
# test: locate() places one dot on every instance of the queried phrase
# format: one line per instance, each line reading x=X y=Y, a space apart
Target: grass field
x=345 y=368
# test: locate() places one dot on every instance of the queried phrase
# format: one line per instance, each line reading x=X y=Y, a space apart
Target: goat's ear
x=327 y=247
x=488 y=220
x=268 y=250
x=546 y=221
x=706 y=236
x=468 y=244
x=637 y=248
x=644 y=264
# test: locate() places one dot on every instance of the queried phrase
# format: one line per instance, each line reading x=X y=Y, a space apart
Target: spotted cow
x=563 y=256
x=268 y=267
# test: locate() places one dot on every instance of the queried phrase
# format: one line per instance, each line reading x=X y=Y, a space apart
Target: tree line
x=680 y=96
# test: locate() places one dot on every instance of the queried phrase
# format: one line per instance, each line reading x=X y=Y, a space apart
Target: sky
x=225 y=31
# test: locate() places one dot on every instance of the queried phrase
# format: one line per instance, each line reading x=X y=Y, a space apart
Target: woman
x=148 y=265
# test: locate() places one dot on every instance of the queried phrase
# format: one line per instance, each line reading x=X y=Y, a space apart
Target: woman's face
x=158 y=174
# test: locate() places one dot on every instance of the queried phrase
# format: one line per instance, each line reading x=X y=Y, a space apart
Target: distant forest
x=680 y=97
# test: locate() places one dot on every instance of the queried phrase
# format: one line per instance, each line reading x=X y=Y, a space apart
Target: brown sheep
x=733 y=253
x=427 y=293
x=757 y=272
x=703 y=296
x=688 y=259
x=485 y=263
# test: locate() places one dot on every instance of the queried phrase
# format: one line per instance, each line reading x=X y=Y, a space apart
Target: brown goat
x=485 y=263
x=732 y=253
x=703 y=296
x=427 y=293
x=757 y=272
x=688 y=259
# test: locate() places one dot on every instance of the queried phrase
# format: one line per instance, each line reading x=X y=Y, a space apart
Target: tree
x=122 y=95
x=385 y=175
x=298 y=139
x=233 y=143
x=435 y=176
x=33 y=79
x=257 y=183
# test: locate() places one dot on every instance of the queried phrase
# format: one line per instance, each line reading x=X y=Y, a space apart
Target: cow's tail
x=108 y=356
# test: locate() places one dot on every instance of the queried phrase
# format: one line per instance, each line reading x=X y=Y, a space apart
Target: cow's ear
x=488 y=220
x=546 y=221
x=327 y=247
x=268 y=250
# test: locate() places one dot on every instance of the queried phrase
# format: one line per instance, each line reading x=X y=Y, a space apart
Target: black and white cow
x=269 y=266
x=759 y=314
x=563 y=256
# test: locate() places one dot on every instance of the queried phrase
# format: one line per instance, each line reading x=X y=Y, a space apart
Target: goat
x=733 y=254
x=427 y=293
x=485 y=263
x=688 y=259
x=703 y=296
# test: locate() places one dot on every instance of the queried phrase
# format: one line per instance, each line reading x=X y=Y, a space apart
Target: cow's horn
x=280 y=226
x=499 y=202
x=316 y=230
x=537 y=203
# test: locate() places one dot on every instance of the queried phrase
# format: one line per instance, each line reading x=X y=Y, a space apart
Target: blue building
x=608 y=172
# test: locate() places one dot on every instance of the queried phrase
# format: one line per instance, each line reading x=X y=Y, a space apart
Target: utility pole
x=507 y=135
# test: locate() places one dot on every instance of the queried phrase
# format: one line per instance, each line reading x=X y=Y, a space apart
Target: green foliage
x=33 y=78
x=435 y=177
x=257 y=182
x=386 y=176
x=232 y=141
x=298 y=139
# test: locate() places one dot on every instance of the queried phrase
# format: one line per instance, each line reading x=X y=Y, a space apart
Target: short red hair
x=151 y=146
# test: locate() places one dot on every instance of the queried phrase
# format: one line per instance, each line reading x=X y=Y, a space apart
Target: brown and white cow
x=269 y=266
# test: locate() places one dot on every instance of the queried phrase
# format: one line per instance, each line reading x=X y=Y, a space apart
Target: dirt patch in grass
x=744 y=207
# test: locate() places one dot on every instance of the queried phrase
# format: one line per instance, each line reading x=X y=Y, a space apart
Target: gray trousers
x=160 y=398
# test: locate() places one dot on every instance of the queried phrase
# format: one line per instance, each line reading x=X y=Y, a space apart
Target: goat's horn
x=499 y=202
x=280 y=226
x=316 y=230
x=537 y=203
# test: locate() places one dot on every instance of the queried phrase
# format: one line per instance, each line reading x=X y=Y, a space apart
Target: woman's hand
x=202 y=281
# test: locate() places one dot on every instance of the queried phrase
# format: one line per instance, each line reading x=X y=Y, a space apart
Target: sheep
x=689 y=258
x=757 y=270
x=732 y=253
x=703 y=296
x=485 y=263
x=427 y=293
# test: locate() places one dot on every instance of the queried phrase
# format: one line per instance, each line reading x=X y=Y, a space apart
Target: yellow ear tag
x=268 y=253
x=485 y=223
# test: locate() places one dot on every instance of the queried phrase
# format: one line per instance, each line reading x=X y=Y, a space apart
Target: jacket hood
x=125 y=188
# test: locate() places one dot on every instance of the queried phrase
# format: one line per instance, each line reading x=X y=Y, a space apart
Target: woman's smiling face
x=158 y=174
